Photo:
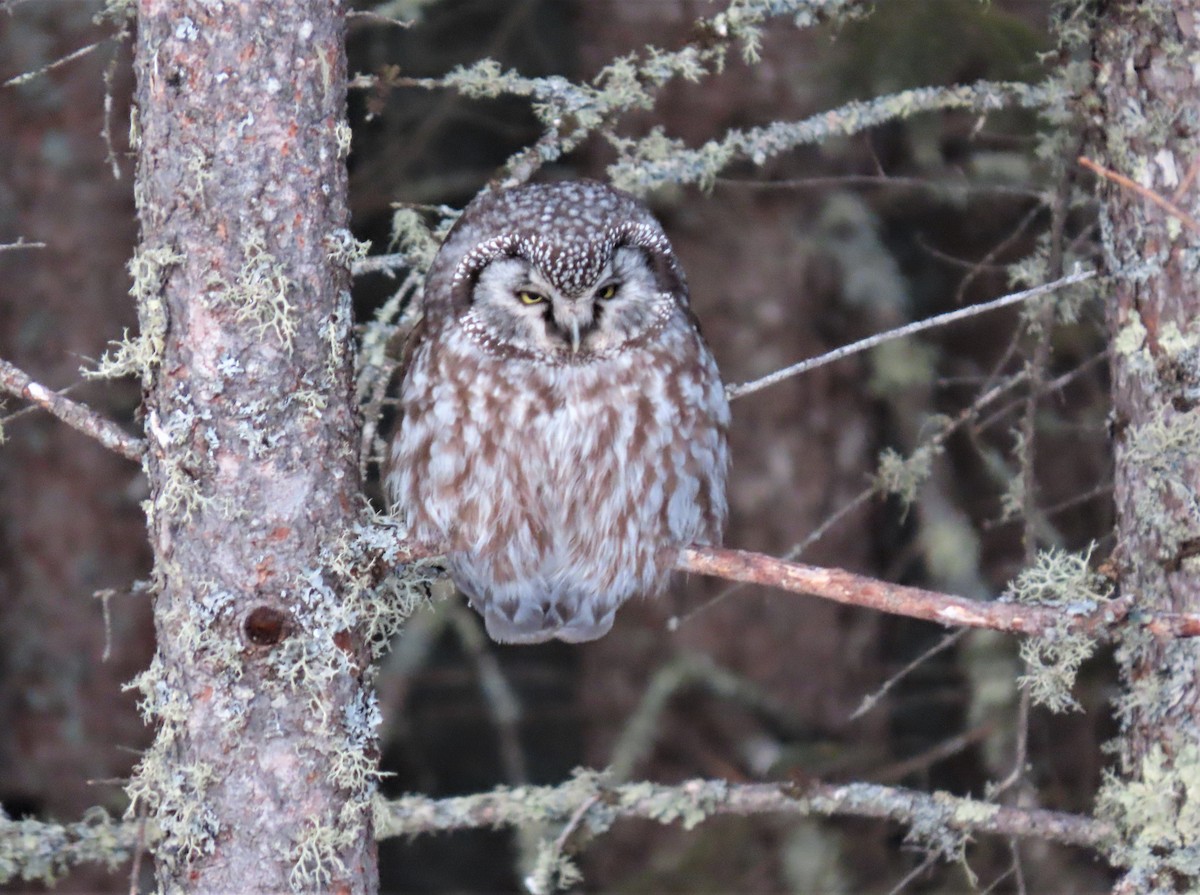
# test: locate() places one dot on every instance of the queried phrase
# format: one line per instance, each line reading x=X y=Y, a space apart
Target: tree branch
x=656 y=160
x=850 y=589
x=77 y=416
x=588 y=800
x=915 y=602
x=696 y=800
x=746 y=388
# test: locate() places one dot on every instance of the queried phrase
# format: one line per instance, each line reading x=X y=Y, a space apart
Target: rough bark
x=260 y=775
x=1146 y=68
x=1146 y=86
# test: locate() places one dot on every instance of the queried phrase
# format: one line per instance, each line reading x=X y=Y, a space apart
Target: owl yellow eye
x=608 y=291
x=530 y=298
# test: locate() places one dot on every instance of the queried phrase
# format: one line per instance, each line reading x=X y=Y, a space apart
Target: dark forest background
x=810 y=251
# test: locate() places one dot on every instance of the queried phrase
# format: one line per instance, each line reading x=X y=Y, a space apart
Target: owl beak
x=574 y=335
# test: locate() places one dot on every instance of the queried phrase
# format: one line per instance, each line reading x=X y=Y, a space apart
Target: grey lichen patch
x=180 y=495
x=1159 y=700
x=1166 y=506
x=743 y=20
x=690 y=804
x=260 y=294
x=342 y=249
x=934 y=828
x=366 y=563
x=173 y=793
x=141 y=354
x=1065 y=580
x=1157 y=816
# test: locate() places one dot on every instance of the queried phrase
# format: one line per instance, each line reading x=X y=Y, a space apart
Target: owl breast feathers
x=564 y=424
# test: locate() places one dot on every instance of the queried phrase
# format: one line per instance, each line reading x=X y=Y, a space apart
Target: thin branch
x=872 y=699
x=1121 y=180
x=859 y=590
x=879 y=181
x=20 y=244
x=696 y=800
x=381 y=263
x=746 y=388
x=940 y=752
x=70 y=57
x=850 y=589
x=77 y=416
x=934 y=443
x=42 y=850
x=641 y=731
x=499 y=697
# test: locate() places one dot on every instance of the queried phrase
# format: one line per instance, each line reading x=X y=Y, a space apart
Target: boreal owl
x=563 y=429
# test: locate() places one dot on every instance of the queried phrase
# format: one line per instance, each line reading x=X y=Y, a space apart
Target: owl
x=563 y=428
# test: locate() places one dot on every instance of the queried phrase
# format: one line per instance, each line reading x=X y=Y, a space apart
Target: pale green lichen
x=903 y=476
x=199 y=167
x=316 y=857
x=655 y=161
x=553 y=871
x=1163 y=450
x=140 y=355
x=1052 y=660
x=417 y=240
x=342 y=136
x=37 y=851
x=260 y=294
x=1157 y=815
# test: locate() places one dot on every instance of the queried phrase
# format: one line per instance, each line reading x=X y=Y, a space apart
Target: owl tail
x=539 y=621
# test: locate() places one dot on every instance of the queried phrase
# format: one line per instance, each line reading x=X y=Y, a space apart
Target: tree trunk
x=1147 y=87
x=261 y=774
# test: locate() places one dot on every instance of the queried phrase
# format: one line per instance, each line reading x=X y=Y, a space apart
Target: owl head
x=568 y=270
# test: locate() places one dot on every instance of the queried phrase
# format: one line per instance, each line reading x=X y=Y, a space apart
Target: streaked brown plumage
x=564 y=424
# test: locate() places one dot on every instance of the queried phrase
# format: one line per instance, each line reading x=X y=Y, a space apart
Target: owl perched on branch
x=564 y=424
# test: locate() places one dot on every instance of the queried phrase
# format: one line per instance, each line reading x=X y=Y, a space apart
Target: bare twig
x=940 y=752
x=139 y=850
x=880 y=181
x=872 y=699
x=70 y=57
x=996 y=251
x=1121 y=180
x=859 y=590
x=20 y=244
x=499 y=697
x=77 y=416
x=641 y=730
x=745 y=388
